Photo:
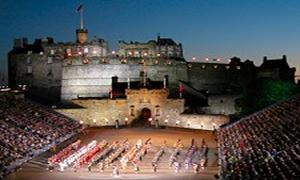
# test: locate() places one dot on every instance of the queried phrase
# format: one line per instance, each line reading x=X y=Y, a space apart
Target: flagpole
x=81 y=17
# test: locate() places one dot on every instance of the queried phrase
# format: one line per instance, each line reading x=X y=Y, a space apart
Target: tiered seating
x=263 y=145
x=28 y=129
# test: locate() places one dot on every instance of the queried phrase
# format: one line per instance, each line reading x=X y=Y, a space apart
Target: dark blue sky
x=249 y=29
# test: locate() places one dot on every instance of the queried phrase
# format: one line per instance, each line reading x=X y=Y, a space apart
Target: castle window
x=142 y=73
x=131 y=112
x=104 y=60
x=136 y=54
x=50 y=60
x=157 y=110
x=28 y=60
x=29 y=69
x=86 y=50
x=142 y=61
x=124 y=61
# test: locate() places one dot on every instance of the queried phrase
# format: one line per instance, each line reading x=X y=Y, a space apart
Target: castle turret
x=81 y=33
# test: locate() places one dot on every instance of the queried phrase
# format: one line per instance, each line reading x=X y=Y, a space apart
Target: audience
x=26 y=129
x=265 y=145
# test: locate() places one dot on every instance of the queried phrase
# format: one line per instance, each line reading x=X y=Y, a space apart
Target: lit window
x=124 y=61
x=157 y=110
x=131 y=110
x=50 y=60
x=94 y=51
x=41 y=53
x=215 y=66
x=86 y=50
x=29 y=69
x=238 y=67
x=156 y=62
x=203 y=66
x=28 y=60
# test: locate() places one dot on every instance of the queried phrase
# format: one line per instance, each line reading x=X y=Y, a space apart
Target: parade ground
x=37 y=169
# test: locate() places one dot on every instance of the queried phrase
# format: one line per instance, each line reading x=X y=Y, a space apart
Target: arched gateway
x=142 y=119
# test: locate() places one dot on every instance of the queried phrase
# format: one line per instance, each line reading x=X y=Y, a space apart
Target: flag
x=80 y=8
x=180 y=87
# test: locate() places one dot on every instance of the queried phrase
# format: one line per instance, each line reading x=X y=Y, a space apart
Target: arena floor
x=36 y=169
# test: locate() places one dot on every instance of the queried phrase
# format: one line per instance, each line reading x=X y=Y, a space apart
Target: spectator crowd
x=27 y=129
x=265 y=145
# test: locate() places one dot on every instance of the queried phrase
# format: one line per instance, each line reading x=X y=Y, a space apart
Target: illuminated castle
x=84 y=69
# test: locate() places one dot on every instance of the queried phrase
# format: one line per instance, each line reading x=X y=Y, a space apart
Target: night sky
x=249 y=29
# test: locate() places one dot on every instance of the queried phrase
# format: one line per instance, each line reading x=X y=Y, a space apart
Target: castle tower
x=81 y=33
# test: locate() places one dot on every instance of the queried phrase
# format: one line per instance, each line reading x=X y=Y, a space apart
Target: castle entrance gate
x=143 y=118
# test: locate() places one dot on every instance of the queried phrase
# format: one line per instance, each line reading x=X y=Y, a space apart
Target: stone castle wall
x=165 y=112
x=94 y=79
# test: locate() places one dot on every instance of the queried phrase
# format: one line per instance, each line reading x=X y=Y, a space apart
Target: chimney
x=284 y=57
x=265 y=58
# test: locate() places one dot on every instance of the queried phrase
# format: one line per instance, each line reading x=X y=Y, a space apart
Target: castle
x=62 y=72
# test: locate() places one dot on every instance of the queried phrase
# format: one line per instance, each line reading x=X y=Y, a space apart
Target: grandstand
x=264 y=145
x=28 y=129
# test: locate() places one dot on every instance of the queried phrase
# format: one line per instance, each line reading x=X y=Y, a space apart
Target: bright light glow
x=218 y=59
x=166 y=121
x=194 y=58
x=158 y=55
x=150 y=119
x=94 y=52
x=94 y=120
x=106 y=120
x=145 y=54
x=113 y=52
x=126 y=119
x=79 y=53
x=130 y=53
x=81 y=122
x=177 y=122
x=206 y=59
